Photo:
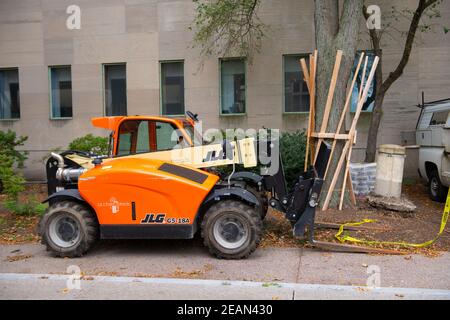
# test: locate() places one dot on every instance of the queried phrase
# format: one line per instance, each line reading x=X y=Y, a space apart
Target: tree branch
x=394 y=75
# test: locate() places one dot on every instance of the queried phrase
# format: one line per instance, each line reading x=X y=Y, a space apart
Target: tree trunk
x=373 y=128
x=333 y=34
x=377 y=113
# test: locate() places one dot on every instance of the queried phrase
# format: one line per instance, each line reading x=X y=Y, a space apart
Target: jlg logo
x=154 y=218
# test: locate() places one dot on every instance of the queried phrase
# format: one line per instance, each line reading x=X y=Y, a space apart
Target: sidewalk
x=189 y=259
x=38 y=286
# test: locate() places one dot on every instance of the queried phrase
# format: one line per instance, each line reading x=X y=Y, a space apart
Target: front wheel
x=435 y=188
x=231 y=229
x=69 y=229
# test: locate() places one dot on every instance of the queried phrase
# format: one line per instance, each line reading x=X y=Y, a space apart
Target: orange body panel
x=112 y=187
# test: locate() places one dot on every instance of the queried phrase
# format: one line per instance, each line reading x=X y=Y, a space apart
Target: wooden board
x=310 y=79
x=329 y=103
x=312 y=111
x=352 y=132
x=342 y=247
x=344 y=111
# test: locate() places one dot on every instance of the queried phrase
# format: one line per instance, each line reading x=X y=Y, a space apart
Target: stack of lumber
x=315 y=139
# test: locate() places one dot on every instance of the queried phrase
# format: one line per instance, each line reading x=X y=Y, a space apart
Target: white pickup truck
x=433 y=136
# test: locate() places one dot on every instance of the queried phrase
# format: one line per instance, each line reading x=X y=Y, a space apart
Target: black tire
x=84 y=221
x=251 y=222
x=437 y=191
x=262 y=197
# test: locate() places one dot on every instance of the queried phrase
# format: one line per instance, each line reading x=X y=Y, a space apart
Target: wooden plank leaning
x=329 y=103
x=351 y=133
x=344 y=111
x=310 y=79
x=350 y=149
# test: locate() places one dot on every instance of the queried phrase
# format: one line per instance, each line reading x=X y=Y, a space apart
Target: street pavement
x=175 y=269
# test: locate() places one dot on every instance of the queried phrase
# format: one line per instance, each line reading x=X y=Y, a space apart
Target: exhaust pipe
x=59 y=158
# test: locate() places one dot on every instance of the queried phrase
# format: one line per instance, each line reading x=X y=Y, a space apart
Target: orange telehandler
x=148 y=189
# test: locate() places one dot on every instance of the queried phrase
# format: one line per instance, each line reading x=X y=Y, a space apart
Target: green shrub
x=8 y=144
x=11 y=183
x=29 y=207
x=292 y=149
x=90 y=143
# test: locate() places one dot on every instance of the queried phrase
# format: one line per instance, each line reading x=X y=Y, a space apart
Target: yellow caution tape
x=345 y=237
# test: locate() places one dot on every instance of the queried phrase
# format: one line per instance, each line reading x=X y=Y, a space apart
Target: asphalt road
x=270 y=267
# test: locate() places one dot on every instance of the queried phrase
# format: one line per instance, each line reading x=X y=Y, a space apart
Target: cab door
x=137 y=136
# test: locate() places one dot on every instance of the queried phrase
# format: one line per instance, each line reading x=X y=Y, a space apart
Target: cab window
x=166 y=136
x=439 y=117
x=141 y=136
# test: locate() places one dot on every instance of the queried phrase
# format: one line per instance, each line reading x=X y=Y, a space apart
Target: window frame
x=117 y=143
x=302 y=55
x=439 y=124
x=104 y=85
x=244 y=60
x=50 y=90
x=18 y=80
x=160 y=63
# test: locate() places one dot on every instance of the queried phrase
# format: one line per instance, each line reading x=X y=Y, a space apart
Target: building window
x=232 y=86
x=370 y=102
x=9 y=94
x=172 y=88
x=61 y=92
x=115 y=89
x=296 y=95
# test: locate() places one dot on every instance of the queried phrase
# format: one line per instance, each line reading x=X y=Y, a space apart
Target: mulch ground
x=390 y=226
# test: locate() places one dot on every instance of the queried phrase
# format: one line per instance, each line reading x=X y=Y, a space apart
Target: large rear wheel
x=69 y=229
x=263 y=206
x=231 y=229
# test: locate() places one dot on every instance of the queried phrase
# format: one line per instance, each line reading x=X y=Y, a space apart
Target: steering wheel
x=193 y=116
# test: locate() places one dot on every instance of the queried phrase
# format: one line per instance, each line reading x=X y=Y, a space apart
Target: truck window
x=166 y=136
x=124 y=144
x=143 y=142
x=141 y=136
x=438 y=118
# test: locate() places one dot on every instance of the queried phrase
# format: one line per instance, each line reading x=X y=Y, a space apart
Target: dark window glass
x=172 y=86
x=140 y=136
x=9 y=94
x=296 y=95
x=232 y=86
x=439 y=117
x=61 y=92
x=115 y=90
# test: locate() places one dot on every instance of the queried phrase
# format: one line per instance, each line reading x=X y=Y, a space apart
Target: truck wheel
x=68 y=229
x=231 y=229
x=435 y=188
x=264 y=202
